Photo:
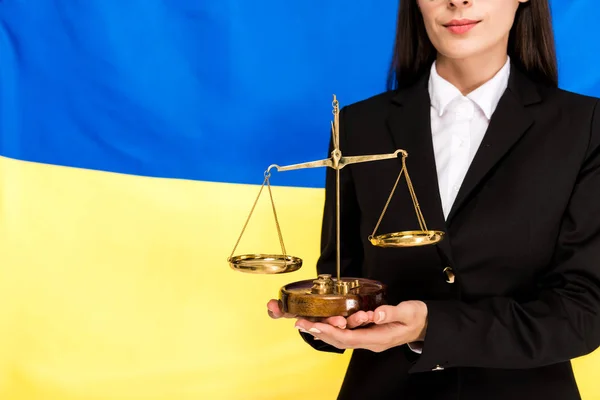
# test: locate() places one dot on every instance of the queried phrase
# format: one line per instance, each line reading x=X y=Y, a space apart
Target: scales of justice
x=328 y=296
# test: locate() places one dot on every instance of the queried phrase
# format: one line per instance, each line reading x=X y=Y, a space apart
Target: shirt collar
x=487 y=96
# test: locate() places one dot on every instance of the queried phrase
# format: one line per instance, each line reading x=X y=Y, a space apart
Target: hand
x=387 y=327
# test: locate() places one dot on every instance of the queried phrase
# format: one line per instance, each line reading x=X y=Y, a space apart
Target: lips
x=461 y=25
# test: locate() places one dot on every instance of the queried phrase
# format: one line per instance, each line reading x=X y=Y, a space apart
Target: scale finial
x=335 y=124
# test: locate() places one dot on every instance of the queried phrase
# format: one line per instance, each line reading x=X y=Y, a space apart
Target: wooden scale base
x=326 y=297
x=314 y=298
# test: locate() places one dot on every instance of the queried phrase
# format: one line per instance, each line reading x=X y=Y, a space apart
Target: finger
x=305 y=326
x=301 y=329
x=314 y=328
x=371 y=316
x=357 y=319
x=274 y=310
x=323 y=332
x=386 y=314
x=341 y=338
x=369 y=320
x=338 y=321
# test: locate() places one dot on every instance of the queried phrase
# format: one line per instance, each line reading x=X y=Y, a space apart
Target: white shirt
x=458 y=125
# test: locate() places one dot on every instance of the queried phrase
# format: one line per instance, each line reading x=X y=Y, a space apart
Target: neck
x=469 y=73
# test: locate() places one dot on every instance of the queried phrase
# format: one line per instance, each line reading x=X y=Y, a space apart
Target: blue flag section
x=182 y=88
x=133 y=135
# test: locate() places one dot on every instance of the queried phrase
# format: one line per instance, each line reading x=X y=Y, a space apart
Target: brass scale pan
x=280 y=264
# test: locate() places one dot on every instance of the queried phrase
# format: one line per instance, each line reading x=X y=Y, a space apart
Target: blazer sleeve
x=351 y=249
x=562 y=323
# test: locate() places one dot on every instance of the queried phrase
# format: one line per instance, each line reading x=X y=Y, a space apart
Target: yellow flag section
x=117 y=287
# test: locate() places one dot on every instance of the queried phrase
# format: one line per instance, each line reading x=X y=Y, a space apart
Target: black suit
x=523 y=239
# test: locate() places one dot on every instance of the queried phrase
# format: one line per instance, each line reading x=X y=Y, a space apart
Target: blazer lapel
x=509 y=123
x=409 y=122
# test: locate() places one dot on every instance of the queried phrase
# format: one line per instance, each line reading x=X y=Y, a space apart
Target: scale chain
x=266 y=181
x=413 y=196
x=276 y=220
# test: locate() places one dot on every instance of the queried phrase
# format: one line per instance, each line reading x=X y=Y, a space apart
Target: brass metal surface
x=450 y=277
x=407 y=239
x=265 y=263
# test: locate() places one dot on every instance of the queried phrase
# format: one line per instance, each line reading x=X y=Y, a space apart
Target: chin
x=460 y=52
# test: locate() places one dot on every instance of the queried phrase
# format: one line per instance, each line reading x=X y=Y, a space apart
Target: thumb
x=404 y=313
x=386 y=314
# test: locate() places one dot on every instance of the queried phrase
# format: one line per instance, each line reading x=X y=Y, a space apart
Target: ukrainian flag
x=133 y=138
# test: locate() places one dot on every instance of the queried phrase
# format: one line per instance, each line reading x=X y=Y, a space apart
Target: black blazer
x=523 y=239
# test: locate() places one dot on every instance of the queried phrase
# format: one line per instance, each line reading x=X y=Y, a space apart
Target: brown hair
x=530 y=44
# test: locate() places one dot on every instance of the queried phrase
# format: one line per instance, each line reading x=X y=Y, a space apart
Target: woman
x=505 y=163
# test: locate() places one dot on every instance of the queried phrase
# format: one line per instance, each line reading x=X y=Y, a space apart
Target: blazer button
x=449 y=275
x=438 y=368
